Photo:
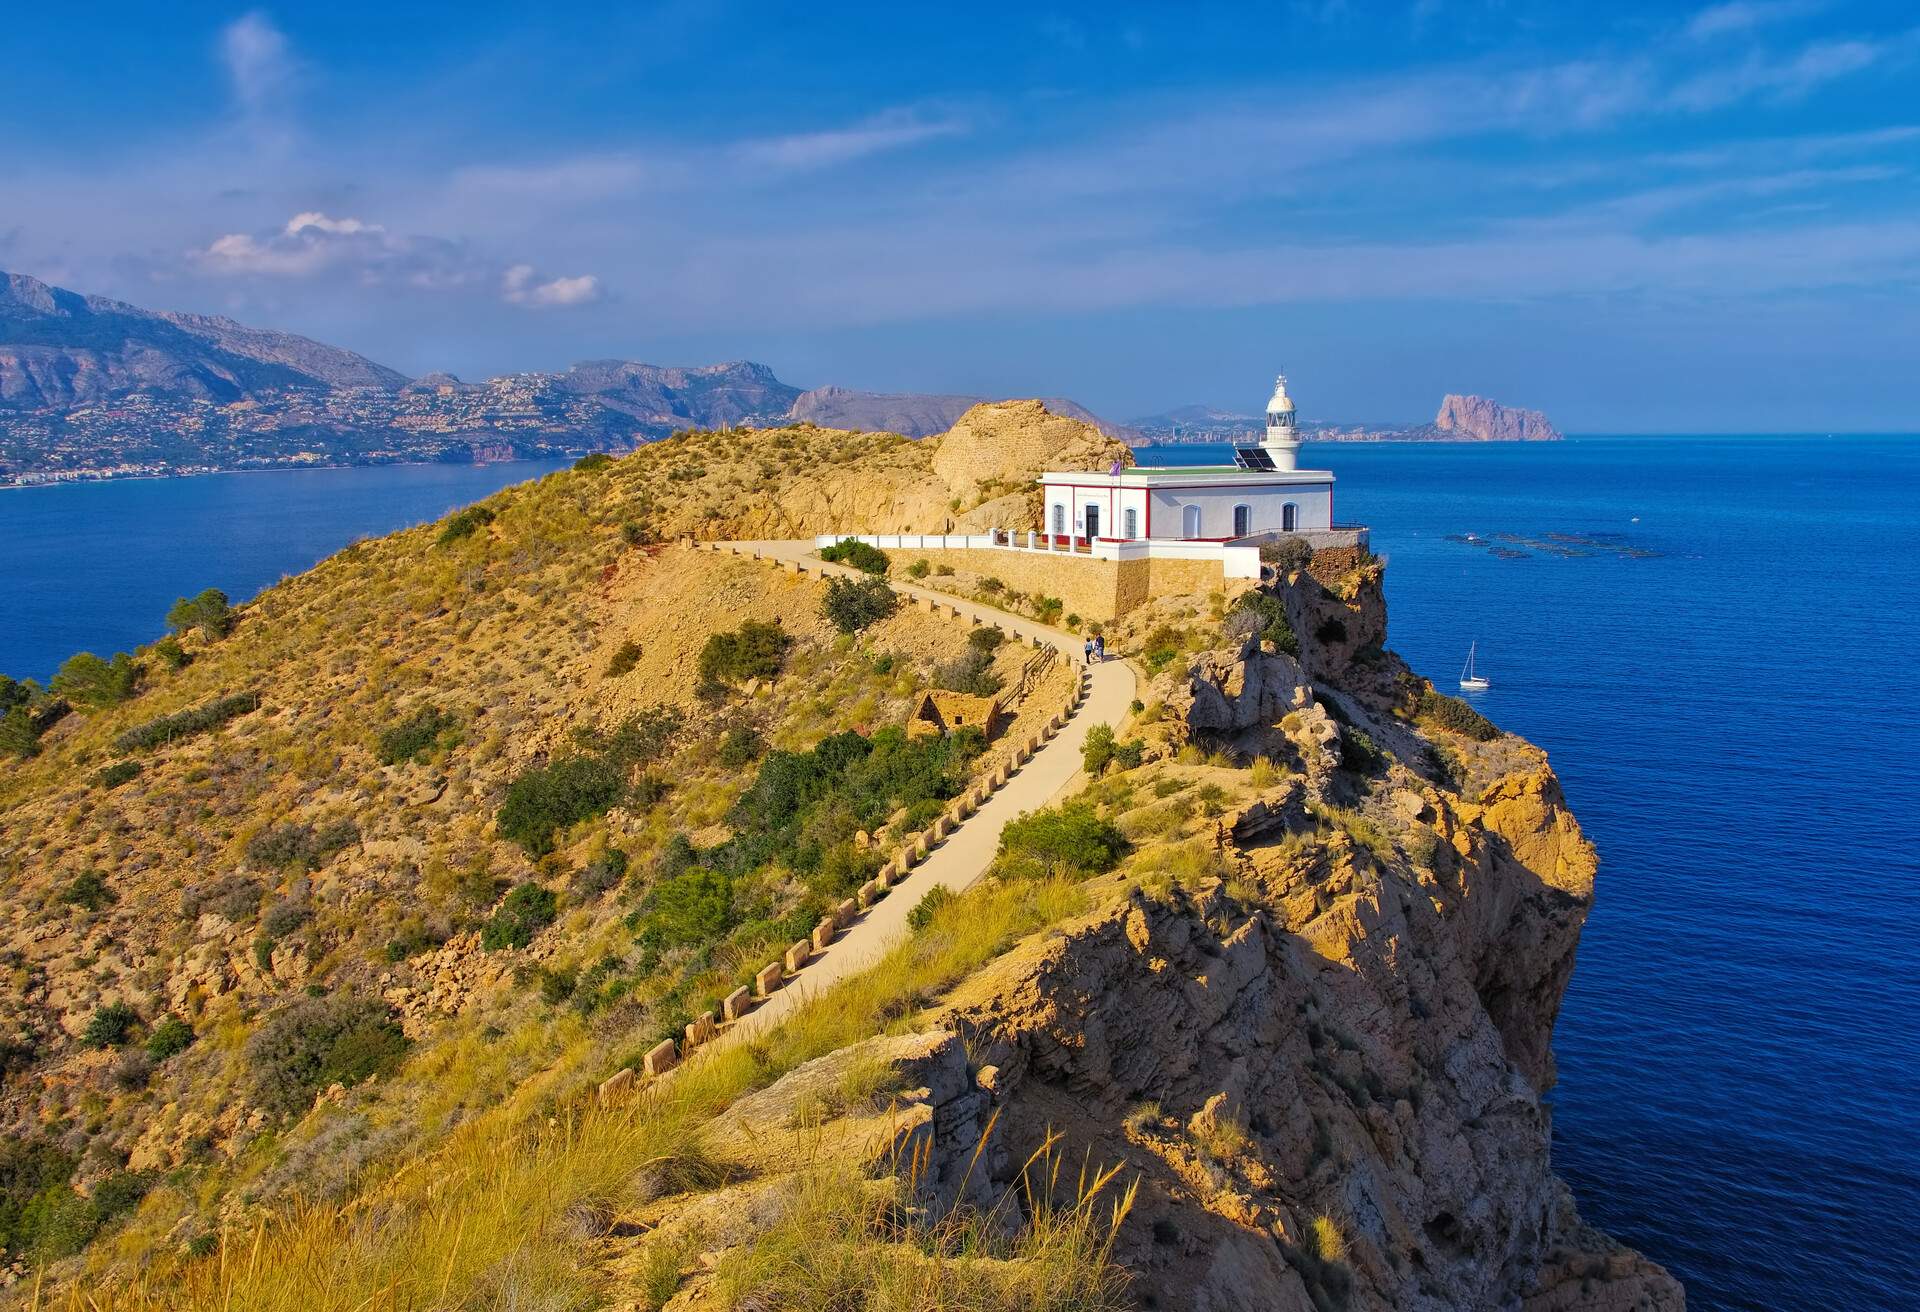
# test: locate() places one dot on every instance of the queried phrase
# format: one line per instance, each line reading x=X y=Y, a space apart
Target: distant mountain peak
x=1488 y=421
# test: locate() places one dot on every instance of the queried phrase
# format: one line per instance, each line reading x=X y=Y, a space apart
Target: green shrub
x=284 y=917
x=414 y=738
x=600 y=874
x=233 y=897
x=1161 y=647
x=1129 y=754
x=208 y=612
x=316 y=1042
x=464 y=524
x=1070 y=839
x=109 y=1026
x=17 y=735
x=548 y=798
x=692 y=908
x=1097 y=752
x=624 y=660
x=919 y=569
x=928 y=907
x=862 y=556
x=118 y=773
x=528 y=909
x=1287 y=555
x=170 y=1036
x=1359 y=753
x=593 y=460
x=971 y=672
x=182 y=724
x=855 y=604
x=742 y=745
x=1437 y=710
x=87 y=889
x=171 y=653
x=986 y=638
x=755 y=650
x=992 y=586
x=633 y=533
x=86 y=680
x=1272 y=616
x=301 y=845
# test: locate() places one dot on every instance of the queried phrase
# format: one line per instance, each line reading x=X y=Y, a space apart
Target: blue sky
x=1637 y=217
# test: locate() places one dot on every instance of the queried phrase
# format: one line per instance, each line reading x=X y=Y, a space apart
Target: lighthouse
x=1282 y=443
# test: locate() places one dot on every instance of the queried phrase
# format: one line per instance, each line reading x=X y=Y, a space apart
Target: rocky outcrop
x=911 y=414
x=1482 y=420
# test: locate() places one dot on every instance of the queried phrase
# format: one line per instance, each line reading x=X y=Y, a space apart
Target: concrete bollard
x=920 y=848
x=823 y=932
x=845 y=914
x=766 y=981
x=699 y=1030
x=616 y=1087
x=797 y=956
x=869 y=894
x=940 y=828
x=736 y=1004
x=660 y=1058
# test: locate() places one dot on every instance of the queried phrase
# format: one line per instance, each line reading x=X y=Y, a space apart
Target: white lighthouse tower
x=1282 y=442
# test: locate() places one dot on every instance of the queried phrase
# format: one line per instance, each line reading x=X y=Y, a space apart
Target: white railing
x=1236 y=562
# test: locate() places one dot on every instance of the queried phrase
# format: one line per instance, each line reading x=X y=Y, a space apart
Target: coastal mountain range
x=96 y=388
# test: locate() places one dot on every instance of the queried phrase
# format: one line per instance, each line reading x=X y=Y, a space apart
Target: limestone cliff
x=1482 y=420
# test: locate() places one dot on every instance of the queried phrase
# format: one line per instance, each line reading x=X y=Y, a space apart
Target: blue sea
x=1715 y=639
x=1718 y=651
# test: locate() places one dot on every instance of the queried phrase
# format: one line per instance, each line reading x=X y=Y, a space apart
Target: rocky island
x=1460 y=419
x=376 y=942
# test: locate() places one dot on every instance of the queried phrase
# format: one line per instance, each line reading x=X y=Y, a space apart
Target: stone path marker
x=767 y=980
x=797 y=956
x=660 y=1058
x=736 y=1004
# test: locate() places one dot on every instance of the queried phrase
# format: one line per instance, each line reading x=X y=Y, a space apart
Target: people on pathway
x=1100 y=647
x=1087 y=652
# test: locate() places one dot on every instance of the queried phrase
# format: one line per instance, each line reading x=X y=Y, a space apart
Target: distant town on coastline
x=92 y=388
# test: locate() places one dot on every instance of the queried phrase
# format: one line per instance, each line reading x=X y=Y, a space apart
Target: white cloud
x=815 y=150
x=260 y=64
x=318 y=222
x=1742 y=16
x=520 y=285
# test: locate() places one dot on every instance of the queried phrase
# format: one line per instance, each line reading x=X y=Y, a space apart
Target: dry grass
x=483 y=1221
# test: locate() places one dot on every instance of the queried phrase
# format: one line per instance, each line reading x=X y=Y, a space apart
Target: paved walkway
x=962 y=858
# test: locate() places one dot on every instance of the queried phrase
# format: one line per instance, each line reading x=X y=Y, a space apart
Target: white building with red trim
x=1261 y=496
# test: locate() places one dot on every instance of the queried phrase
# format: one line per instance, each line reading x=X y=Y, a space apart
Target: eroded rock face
x=1327 y=1049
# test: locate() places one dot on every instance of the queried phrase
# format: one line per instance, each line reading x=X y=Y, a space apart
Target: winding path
x=963 y=856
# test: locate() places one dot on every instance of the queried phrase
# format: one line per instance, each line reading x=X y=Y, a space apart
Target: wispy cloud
x=259 y=62
x=1744 y=16
x=520 y=285
x=817 y=150
x=313 y=244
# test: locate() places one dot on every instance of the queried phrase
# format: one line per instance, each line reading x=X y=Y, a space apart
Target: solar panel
x=1252 y=457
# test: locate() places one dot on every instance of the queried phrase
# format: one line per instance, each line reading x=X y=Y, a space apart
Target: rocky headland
x=326 y=924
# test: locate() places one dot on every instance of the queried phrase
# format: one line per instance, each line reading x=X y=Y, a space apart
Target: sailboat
x=1470 y=680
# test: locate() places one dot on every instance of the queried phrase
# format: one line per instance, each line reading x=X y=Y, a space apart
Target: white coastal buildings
x=1262 y=495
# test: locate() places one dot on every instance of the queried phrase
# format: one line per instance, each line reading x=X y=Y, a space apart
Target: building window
x=1059 y=520
x=1131 y=518
x=1242 y=520
x=1289 y=517
x=1190 y=522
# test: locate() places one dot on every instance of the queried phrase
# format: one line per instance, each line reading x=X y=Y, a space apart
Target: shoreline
x=282 y=469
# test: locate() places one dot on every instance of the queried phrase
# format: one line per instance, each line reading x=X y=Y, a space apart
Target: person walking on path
x=1100 y=647
x=1088 y=652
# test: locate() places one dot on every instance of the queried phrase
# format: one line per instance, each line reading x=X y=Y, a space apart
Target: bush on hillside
x=415 y=738
x=971 y=672
x=593 y=460
x=316 y=1042
x=600 y=874
x=693 y=907
x=464 y=524
x=1272 y=617
x=171 y=653
x=528 y=909
x=928 y=907
x=1287 y=555
x=207 y=611
x=182 y=724
x=87 y=889
x=755 y=650
x=855 y=604
x=170 y=1036
x=1437 y=710
x=742 y=745
x=301 y=845
x=549 y=798
x=17 y=734
x=86 y=680
x=1070 y=839
x=862 y=556
x=118 y=773
x=109 y=1026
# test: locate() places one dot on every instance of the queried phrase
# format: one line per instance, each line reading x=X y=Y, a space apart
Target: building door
x=1093 y=521
x=1242 y=521
x=1131 y=518
x=1190 y=522
x=1289 y=517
